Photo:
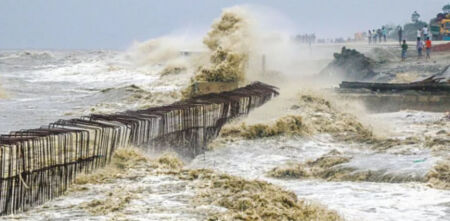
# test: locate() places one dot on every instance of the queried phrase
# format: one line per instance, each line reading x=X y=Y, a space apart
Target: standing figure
x=400 y=35
x=384 y=33
x=419 y=47
x=379 y=35
x=404 y=50
x=425 y=32
x=369 y=36
x=428 y=47
x=374 y=35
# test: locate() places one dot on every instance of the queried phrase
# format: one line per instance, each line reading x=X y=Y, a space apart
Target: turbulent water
x=42 y=86
x=39 y=87
x=354 y=200
x=386 y=178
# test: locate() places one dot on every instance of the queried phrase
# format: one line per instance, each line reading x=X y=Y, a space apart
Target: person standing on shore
x=379 y=35
x=404 y=50
x=419 y=47
x=428 y=47
x=425 y=32
x=400 y=35
x=374 y=35
x=384 y=31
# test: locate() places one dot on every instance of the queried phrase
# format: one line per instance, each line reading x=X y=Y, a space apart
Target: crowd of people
x=306 y=38
x=423 y=43
x=423 y=40
x=378 y=35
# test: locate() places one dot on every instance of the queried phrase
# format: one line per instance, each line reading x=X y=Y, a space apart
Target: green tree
x=410 y=30
x=446 y=8
x=415 y=17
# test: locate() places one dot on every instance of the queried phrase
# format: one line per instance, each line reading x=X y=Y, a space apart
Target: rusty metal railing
x=37 y=165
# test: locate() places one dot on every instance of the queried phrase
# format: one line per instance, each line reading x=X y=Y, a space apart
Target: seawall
x=37 y=165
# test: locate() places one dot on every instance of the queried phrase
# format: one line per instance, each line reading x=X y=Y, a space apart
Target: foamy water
x=43 y=86
x=353 y=200
x=383 y=200
x=150 y=198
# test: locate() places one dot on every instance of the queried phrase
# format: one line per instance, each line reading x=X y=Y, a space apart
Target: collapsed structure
x=362 y=83
x=349 y=65
x=37 y=165
x=436 y=82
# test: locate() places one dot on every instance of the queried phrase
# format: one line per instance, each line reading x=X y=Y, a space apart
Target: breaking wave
x=439 y=176
x=228 y=44
x=334 y=168
x=313 y=115
x=129 y=97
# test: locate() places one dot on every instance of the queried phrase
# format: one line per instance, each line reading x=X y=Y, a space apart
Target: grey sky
x=90 y=24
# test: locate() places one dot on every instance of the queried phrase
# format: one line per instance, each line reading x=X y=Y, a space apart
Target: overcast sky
x=115 y=24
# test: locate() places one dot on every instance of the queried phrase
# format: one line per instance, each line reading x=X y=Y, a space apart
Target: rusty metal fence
x=37 y=165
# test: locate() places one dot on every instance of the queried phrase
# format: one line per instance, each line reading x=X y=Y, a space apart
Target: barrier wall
x=377 y=102
x=37 y=165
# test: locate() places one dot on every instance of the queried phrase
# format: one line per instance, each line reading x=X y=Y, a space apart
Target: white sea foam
x=48 y=84
x=354 y=200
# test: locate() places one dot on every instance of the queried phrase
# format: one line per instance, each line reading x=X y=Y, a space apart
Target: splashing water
x=154 y=72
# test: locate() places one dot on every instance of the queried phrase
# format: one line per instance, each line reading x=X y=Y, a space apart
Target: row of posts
x=37 y=165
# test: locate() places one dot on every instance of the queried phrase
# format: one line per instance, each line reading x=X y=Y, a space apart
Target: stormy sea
x=307 y=153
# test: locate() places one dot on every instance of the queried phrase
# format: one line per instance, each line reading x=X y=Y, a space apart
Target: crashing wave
x=229 y=48
x=439 y=176
x=335 y=166
x=323 y=167
x=288 y=125
x=313 y=115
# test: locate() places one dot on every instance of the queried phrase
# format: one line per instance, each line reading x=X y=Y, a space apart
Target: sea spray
x=227 y=41
x=228 y=44
x=172 y=60
x=231 y=52
x=166 y=50
x=309 y=114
